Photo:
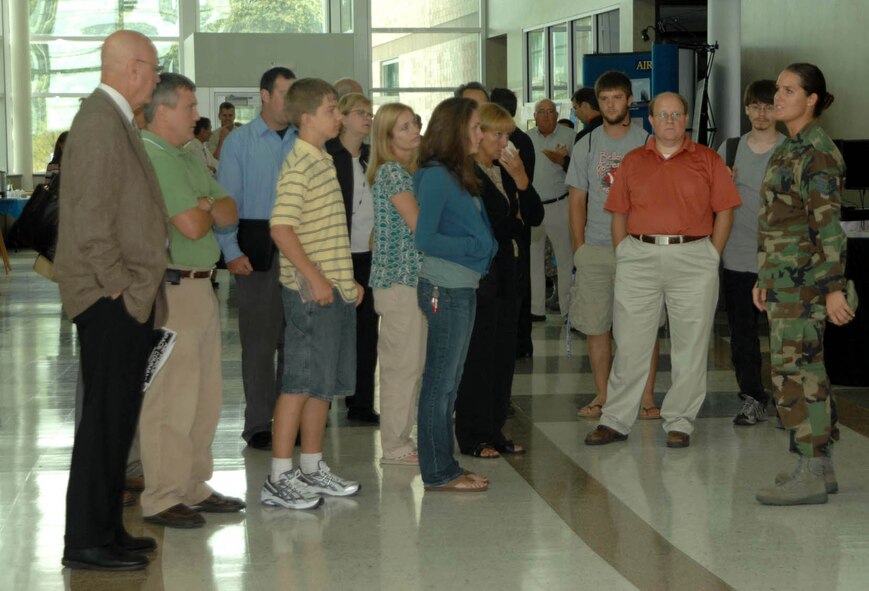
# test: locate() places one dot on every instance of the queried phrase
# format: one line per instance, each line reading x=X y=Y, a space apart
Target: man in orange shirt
x=672 y=208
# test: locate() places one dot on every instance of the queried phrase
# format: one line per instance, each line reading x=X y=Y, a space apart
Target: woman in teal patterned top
x=395 y=265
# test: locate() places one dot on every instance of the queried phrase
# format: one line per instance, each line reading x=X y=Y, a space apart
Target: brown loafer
x=603 y=435
x=217 y=503
x=179 y=515
x=678 y=439
x=135 y=484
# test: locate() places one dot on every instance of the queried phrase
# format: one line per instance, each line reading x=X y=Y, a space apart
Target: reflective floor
x=633 y=515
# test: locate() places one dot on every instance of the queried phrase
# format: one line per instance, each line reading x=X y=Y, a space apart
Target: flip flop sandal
x=408 y=459
x=650 y=413
x=478 y=452
x=592 y=411
x=508 y=447
x=470 y=486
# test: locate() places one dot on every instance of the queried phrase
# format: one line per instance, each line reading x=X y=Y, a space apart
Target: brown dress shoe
x=129 y=499
x=135 y=484
x=217 y=503
x=179 y=515
x=678 y=439
x=603 y=435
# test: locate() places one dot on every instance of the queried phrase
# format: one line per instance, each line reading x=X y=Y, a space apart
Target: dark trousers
x=484 y=392
x=114 y=351
x=523 y=285
x=261 y=332
x=743 y=317
x=366 y=337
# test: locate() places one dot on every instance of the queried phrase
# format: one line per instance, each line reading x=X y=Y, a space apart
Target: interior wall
x=496 y=62
x=830 y=34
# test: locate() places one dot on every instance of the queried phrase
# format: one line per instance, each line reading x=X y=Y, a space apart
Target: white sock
x=310 y=462
x=279 y=466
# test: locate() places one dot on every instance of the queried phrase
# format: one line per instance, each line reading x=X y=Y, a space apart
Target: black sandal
x=508 y=447
x=478 y=451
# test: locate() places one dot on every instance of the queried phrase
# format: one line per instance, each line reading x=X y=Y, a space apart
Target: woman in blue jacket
x=454 y=234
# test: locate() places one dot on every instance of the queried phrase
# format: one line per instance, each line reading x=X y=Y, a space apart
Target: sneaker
x=830 y=482
x=324 y=482
x=805 y=487
x=289 y=492
x=751 y=413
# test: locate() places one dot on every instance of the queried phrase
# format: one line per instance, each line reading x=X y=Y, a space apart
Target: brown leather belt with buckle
x=666 y=239
x=174 y=275
x=556 y=200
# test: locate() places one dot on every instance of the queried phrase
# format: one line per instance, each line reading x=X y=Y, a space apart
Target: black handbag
x=255 y=241
x=36 y=228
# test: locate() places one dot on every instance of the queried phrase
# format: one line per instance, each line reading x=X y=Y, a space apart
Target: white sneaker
x=289 y=492
x=324 y=482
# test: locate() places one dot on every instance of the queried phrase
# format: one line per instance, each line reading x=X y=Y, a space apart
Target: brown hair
x=305 y=97
x=446 y=141
x=813 y=82
x=381 y=134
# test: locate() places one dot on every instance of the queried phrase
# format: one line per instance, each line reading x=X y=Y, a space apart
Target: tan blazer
x=113 y=221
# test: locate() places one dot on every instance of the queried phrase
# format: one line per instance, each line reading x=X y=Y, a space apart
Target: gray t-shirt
x=593 y=165
x=740 y=254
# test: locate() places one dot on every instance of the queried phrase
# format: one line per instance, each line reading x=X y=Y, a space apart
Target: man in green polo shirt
x=182 y=406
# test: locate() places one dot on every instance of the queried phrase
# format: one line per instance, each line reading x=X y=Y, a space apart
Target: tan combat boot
x=805 y=487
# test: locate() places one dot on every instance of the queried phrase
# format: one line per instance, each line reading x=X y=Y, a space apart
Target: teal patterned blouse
x=394 y=259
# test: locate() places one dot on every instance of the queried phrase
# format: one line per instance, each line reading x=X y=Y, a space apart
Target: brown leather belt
x=193 y=274
x=666 y=239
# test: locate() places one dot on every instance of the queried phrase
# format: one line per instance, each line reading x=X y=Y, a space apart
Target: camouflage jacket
x=800 y=241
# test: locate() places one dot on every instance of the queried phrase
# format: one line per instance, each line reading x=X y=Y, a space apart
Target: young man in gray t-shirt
x=593 y=166
x=748 y=167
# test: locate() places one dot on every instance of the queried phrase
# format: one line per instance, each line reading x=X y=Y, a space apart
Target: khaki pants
x=182 y=406
x=685 y=277
x=401 y=351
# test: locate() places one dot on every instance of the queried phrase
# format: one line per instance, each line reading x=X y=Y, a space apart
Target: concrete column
x=21 y=160
x=725 y=85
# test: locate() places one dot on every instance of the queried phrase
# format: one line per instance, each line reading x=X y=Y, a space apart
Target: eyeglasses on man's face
x=674 y=116
x=158 y=69
x=760 y=108
x=363 y=113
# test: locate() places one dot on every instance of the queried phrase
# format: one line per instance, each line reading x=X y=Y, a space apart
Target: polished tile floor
x=634 y=515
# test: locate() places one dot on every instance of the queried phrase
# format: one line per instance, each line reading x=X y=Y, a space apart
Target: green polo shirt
x=183 y=179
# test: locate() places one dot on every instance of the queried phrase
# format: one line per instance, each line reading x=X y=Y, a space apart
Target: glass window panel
x=424 y=13
x=583 y=44
x=155 y=18
x=3 y=161
x=427 y=59
x=50 y=116
x=346 y=16
x=422 y=103
x=559 y=61
x=608 y=32
x=262 y=16
x=66 y=66
x=537 y=65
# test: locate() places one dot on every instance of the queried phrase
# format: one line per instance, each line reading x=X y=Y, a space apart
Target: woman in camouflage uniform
x=801 y=278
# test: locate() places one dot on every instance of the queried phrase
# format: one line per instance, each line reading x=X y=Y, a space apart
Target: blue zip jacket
x=450 y=225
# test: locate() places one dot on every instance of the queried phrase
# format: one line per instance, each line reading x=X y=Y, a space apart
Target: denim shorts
x=319 y=347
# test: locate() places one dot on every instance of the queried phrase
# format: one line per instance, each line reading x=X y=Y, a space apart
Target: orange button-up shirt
x=675 y=195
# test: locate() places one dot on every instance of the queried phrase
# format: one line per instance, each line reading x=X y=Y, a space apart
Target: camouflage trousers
x=802 y=388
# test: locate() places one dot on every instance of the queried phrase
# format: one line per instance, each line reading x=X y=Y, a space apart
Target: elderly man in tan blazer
x=111 y=260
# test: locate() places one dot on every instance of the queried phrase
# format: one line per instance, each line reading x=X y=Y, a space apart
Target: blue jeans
x=449 y=333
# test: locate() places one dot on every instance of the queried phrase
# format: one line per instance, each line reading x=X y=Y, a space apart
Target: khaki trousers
x=182 y=406
x=401 y=351
x=685 y=277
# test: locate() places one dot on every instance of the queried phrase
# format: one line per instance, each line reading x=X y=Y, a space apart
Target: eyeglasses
x=363 y=113
x=157 y=68
x=761 y=108
x=674 y=116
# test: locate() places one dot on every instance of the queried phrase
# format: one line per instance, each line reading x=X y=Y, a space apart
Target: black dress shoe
x=538 y=317
x=261 y=440
x=218 y=503
x=363 y=415
x=180 y=516
x=132 y=544
x=103 y=558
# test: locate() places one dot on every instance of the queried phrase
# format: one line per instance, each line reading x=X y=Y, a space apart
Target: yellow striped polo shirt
x=309 y=199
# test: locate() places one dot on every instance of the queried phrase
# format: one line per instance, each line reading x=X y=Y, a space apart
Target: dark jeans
x=367 y=322
x=484 y=392
x=742 y=317
x=449 y=333
x=114 y=349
